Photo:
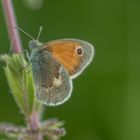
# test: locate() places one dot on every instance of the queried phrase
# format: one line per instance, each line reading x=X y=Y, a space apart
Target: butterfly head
x=34 y=44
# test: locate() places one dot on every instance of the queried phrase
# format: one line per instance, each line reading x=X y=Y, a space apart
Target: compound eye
x=79 y=51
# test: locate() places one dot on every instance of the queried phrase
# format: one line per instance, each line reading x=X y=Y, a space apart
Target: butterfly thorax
x=34 y=44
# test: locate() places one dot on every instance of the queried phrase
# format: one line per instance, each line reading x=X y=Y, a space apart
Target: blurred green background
x=105 y=104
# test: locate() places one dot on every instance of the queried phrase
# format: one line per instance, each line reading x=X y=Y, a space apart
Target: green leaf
x=19 y=76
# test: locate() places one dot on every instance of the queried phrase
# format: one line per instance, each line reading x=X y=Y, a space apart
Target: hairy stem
x=11 y=23
x=33 y=123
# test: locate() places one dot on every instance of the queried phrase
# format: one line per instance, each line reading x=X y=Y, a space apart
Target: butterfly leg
x=26 y=65
x=27 y=55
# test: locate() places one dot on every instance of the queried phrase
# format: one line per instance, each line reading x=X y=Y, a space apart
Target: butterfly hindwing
x=52 y=83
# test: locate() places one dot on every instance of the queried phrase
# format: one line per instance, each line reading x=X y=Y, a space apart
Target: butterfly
x=55 y=64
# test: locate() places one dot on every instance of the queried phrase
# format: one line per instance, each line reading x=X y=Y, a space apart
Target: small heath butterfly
x=55 y=64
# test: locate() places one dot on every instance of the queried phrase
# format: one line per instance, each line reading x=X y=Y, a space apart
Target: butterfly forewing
x=73 y=54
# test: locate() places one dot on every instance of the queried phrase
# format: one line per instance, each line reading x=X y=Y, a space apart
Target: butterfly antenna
x=24 y=32
x=39 y=33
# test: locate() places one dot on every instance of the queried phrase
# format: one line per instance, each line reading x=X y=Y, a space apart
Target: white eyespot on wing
x=57 y=82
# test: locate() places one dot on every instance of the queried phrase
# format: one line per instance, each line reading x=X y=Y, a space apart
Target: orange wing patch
x=65 y=53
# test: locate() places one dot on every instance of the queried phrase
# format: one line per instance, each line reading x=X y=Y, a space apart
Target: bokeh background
x=105 y=104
